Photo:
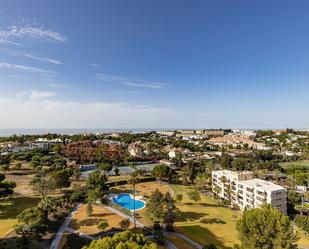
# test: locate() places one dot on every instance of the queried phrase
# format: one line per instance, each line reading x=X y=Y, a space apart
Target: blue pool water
x=126 y=201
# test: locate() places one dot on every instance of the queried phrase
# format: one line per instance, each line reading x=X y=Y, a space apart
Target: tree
x=189 y=172
x=36 y=161
x=5 y=160
x=170 y=209
x=226 y=161
x=102 y=225
x=97 y=180
x=46 y=206
x=156 y=203
x=89 y=209
x=116 y=171
x=133 y=180
x=266 y=228
x=30 y=221
x=277 y=174
x=203 y=181
x=179 y=197
x=122 y=240
x=42 y=185
x=106 y=167
x=57 y=148
x=61 y=178
x=6 y=187
x=302 y=221
x=76 y=173
x=194 y=195
x=160 y=171
x=216 y=191
x=124 y=224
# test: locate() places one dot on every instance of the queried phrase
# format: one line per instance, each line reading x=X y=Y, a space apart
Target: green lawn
x=303 y=163
x=10 y=208
x=206 y=222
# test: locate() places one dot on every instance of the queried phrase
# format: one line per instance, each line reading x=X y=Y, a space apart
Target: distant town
x=181 y=188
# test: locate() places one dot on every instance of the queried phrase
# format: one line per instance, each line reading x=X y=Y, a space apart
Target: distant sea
x=10 y=132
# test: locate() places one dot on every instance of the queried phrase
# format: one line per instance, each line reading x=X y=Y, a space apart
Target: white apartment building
x=166 y=133
x=246 y=191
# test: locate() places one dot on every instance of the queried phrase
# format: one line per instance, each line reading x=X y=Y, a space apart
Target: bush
x=302 y=221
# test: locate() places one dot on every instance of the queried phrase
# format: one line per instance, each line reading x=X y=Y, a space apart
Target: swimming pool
x=126 y=201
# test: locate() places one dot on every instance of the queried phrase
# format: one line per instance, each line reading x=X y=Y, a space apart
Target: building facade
x=245 y=191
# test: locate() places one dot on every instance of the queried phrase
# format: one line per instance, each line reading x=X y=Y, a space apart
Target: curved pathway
x=65 y=228
x=190 y=241
x=169 y=243
x=139 y=224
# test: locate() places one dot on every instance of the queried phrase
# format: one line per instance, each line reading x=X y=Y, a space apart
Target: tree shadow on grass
x=101 y=215
x=10 y=208
x=189 y=216
x=202 y=234
x=202 y=204
x=212 y=221
x=87 y=222
x=75 y=224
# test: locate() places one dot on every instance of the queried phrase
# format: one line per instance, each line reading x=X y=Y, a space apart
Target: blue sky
x=154 y=64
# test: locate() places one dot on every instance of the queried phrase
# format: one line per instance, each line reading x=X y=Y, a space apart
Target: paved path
x=65 y=228
x=139 y=224
x=192 y=242
x=169 y=243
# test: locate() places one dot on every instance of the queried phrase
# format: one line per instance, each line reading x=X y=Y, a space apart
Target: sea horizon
x=6 y=132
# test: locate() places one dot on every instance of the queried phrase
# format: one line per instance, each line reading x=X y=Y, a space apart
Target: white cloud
x=31 y=33
x=37 y=95
x=43 y=59
x=7 y=42
x=38 y=110
x=147 y=85
x=23 y=68
x=55 y=85
x=31 y=56
x=128 y=82
x=95 y=66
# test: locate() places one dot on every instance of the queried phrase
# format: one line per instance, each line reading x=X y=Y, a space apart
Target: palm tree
x=133 y=179
x=277 y=174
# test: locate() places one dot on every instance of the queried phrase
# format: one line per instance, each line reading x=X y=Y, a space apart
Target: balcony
x=250 y=195
x=263 y=194
x=261 y=199
x=249 y=190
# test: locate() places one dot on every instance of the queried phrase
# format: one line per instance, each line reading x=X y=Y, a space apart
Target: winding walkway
x=190 y=241
x=65 y=228
x=169 y=243
x=139 y=224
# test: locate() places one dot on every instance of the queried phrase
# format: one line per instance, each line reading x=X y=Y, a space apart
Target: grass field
x=206 y=222
x=303 y=163
x=82 y=222
x=10 y=208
